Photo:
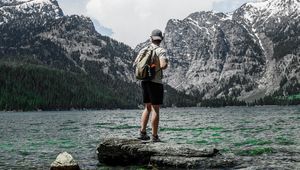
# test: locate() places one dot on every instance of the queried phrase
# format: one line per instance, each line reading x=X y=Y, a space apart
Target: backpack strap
x=140 y=56
x=152 y=53
x=152 y=56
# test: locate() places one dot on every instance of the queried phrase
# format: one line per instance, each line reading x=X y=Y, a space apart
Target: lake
x=264 y=137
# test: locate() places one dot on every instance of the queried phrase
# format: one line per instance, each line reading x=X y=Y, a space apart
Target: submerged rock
x=64 y=161
x=115 y=151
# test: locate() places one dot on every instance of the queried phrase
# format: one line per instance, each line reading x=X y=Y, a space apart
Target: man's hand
x=163 y=63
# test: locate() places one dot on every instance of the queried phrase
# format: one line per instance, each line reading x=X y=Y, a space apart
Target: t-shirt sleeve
x=163 y=54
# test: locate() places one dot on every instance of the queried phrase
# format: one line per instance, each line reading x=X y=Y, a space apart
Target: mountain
x=248 y=54
x=68 y=42
x=52 y=61
x=276 y=25
x=38 y=41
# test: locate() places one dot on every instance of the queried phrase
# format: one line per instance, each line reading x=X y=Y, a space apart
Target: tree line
x=26 y=87
x=33 y=87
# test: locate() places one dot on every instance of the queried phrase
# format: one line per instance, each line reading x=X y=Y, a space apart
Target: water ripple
x=264 y=137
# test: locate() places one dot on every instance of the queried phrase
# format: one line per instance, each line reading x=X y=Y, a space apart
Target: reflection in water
x=262 y=136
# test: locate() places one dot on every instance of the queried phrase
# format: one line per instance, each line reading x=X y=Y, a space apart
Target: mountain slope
x=19 y=9
x=248 y=54
x=276 y=26
x=213 y=56
x=67 y=42
x=36 y=34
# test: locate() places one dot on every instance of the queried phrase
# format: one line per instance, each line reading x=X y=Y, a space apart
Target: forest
x=26 y=87
x=33 y=87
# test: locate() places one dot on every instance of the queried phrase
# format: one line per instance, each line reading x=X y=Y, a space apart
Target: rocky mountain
x=249 y=53
x=38 y=41
x=67 y=42
x=276 y=26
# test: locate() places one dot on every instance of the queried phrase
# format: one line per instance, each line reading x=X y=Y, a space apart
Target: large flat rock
x=116 y=151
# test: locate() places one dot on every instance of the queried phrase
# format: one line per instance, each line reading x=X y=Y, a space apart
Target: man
x=153 y=90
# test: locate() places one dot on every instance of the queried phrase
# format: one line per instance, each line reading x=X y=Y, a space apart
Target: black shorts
x=153 y=92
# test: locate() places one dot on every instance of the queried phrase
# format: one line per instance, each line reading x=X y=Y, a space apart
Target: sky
x=131 y=21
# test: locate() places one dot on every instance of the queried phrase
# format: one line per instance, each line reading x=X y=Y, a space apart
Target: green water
x=263 y=137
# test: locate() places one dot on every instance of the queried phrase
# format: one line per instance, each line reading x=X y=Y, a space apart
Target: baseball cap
x=157 y=35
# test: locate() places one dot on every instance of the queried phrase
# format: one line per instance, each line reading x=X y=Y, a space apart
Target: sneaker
x=144 y=136
x=155 y=139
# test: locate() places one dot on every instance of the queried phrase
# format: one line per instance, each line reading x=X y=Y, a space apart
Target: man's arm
x=163 y=59
x=163 y=63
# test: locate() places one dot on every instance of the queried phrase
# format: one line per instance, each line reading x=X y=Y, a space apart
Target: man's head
x=156 y=36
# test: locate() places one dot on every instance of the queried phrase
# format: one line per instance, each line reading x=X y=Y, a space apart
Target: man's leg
x=155 y=119
x=145 y=117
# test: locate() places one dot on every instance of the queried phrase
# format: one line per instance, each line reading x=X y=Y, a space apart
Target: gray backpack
x=145 y=70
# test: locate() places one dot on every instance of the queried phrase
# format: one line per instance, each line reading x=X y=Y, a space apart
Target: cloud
x=71 y=7
x=133 y=20
x=229 y=5
x=78 y=7
x=102 y=29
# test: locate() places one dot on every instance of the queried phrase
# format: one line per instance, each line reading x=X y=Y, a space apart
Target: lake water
x=265 y=137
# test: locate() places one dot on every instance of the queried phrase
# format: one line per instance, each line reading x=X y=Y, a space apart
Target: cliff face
x=276 y=25
x=36 y=31
x=248 y=54
x=212 y=55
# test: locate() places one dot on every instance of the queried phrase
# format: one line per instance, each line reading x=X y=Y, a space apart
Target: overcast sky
x=131 y=21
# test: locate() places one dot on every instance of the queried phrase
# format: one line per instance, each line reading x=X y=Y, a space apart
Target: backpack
x=145 y=69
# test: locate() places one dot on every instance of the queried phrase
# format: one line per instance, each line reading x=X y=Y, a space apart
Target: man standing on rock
x=153 y=90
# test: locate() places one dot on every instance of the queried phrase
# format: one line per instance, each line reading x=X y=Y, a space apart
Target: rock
x=115 y=151
x=64 y=161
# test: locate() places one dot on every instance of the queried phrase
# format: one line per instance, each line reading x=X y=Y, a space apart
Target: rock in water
x=64 y=161
x=115 y=151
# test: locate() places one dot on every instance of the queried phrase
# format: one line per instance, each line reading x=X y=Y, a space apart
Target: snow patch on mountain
x=269 y=8
x=227 y=17
x=16 y=9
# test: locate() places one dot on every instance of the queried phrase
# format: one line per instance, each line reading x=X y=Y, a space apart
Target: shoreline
x=85 y=109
